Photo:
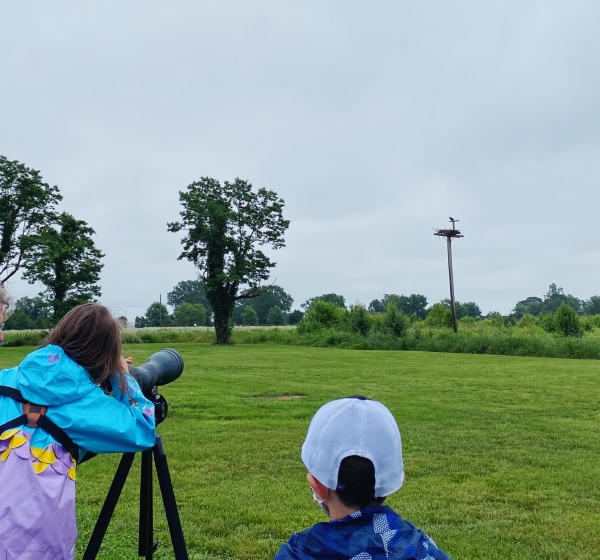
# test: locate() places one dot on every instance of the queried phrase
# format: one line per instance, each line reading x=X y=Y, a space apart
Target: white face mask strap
x=324 y=508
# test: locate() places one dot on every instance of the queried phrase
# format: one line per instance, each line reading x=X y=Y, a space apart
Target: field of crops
x=501 y=453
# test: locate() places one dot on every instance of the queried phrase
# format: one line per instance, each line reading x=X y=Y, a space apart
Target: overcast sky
x=375 y=121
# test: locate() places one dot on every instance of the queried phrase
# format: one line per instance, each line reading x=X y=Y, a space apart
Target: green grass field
x=501 y=453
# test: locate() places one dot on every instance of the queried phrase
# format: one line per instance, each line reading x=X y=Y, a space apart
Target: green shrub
x=567 y=321
x=322 y=315
x=588 y=324
x=469 y=320
x=394 y=321
x=548 y=322
x=276 y=317
x=495 y=319
x=528 y=320
x=359 y=319
x=249 y=316
x=190 y=315
x=439 y=315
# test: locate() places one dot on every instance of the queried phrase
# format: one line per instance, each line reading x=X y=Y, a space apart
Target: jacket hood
x=49 y=377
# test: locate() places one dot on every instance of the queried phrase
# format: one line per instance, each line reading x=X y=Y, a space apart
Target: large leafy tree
x=64 y=258
x=226 y=225
x=27 y=204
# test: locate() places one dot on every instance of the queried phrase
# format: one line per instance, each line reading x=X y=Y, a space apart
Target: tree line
x=225 y=227
x=44 y=245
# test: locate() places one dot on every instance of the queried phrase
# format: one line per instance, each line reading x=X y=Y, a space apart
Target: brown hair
x=90 y=336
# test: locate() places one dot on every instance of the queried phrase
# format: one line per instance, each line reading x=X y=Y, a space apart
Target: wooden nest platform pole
x=451 y=234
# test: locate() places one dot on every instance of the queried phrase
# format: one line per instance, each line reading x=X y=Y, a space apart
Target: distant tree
x=468 y=309
x=295 y=317
x=335 y=299
x=556 y=297
x=238 y=310
x=472 y=309
x=531 y=306
x=190 y=315
x=551 y=302
x=64 y=258
x=226 y=224
x=249 y=317
x=376 y=306
x=157 y=315
x=359 y=319
x=592 y=306
x=123 y=321
x=18 y=321
x=276 y=316
x=567 y=321
x=37 y=310
x=26 y=205
x=393 y=299
x=415 y=304
x=188 y=291
x=272 y=296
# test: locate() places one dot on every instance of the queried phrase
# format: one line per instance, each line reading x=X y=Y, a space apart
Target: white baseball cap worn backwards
x=354 y=426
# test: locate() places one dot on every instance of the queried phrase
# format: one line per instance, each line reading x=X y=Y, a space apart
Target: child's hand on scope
x=125 y=362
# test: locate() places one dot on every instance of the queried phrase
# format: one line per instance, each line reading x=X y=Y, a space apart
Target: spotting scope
x=159 y=369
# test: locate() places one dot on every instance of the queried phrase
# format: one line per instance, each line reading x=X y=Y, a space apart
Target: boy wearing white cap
x=353 y=454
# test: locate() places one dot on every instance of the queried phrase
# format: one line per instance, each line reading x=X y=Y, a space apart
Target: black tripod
x=146 y=543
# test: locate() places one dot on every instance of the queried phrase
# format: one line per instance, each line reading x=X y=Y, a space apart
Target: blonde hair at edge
x=5 y=308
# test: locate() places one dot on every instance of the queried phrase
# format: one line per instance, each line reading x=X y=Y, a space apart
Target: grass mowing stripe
x=501 y=453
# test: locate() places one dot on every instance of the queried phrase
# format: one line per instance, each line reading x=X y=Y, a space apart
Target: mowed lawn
x=502 y=454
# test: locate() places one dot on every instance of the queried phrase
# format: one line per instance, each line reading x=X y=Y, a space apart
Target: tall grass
x=481 y=337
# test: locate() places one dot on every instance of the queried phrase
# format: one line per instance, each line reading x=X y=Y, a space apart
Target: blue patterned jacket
x=374 y=533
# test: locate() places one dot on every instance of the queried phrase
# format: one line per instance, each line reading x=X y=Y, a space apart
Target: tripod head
x=159 y=369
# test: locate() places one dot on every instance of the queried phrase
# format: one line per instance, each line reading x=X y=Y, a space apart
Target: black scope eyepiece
x=159 y=369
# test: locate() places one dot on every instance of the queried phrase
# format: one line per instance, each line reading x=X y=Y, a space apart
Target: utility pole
x=451 y=234
x=160 y=310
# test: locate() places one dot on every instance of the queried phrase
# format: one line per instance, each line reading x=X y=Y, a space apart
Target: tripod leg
x=146 y=543
x=109 y=506
x=168 y=497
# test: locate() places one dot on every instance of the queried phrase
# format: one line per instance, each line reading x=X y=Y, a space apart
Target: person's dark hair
x=356 y=482
x=91 y=337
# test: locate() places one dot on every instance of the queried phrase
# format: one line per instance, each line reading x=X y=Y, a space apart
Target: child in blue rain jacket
x=75 y=387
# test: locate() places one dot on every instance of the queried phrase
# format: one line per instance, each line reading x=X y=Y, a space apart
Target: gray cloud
x=374 y=122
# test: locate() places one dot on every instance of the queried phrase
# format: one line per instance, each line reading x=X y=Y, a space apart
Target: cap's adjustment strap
x=33 y=413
